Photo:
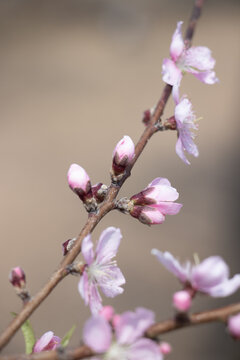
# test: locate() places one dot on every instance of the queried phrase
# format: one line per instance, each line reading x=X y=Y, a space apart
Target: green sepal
x=28 y=335
x=68 y=336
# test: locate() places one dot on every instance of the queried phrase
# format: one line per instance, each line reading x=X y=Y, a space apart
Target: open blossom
x=47 y=341
x=154 y=202
x=129 y=342
x=123 y=153
x=185 y=122
x=196 y=60
x=100 y=270
x=211 y=276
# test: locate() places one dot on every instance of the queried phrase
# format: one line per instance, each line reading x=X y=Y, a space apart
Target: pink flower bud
x=154 y=202
x=79 y=181
x=107 y=312
x=234 y=326
x=165 y=348
x=47 y=341
x=67 y=245
x=122 y=155
x=182 y=300
x=17 y=278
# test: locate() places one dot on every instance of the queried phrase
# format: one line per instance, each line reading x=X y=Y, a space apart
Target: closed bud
x=165 y=348
x=234 y=326
x=67 y=245
x=123 y=153
x=17 y=278
x=80 y=183
x=182 y=301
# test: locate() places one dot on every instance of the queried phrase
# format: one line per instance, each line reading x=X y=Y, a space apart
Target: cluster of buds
x=123 y=154
x=152 y=204
x=18 y=280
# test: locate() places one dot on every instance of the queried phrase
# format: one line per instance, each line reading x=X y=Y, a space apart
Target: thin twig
x=216 y=315
x=108 y=205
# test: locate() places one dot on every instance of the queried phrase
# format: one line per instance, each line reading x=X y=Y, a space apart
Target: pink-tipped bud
x=122 y=155
x=182 y=300
x=165 y=348
x=107 y=312
x=79 y=181
x=146 y=116
x=17 y=278
x=67 y=245
x=234 y=326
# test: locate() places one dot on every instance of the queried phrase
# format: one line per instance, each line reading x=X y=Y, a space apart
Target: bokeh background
x=76 y=76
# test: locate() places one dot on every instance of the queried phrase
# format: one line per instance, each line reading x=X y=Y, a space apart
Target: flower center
x=116 y=352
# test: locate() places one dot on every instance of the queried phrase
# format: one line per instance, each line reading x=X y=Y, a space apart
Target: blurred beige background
x=75 y=78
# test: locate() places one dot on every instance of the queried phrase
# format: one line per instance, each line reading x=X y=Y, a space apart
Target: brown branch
x=108 y=205
x=216 y=315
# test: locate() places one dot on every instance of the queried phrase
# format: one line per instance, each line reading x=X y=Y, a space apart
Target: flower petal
x=209 y=273
x=168 y=208
x=110 y=285
x=226 y=288
x=41 y=343
x=161 y=193
x=173 y=265
x=83 y=287
x=171 y=74
x=180 y=151
x=199 y=58
x=207 y=77
x=159 y=181
x=108 y=244
x=87 y=249
x=97 y=334
x=144 y=349
x=132 y=325
x=177 y=44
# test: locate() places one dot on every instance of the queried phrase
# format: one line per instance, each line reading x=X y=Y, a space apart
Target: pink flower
x=185 y=121
x=211 y=276
x=123 y=153
x=47 y=341
x=182 y=300
x=152 y=204
x=195 y=60
x=100 y=270
x=234 y=326
x=129 y=331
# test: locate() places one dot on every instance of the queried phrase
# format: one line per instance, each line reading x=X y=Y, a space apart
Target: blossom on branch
x=154 y=202
x=196 y=60
x=100 y=270
x=129 y=331
x=211 y=276
x=185 y=122
x=47 y=341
